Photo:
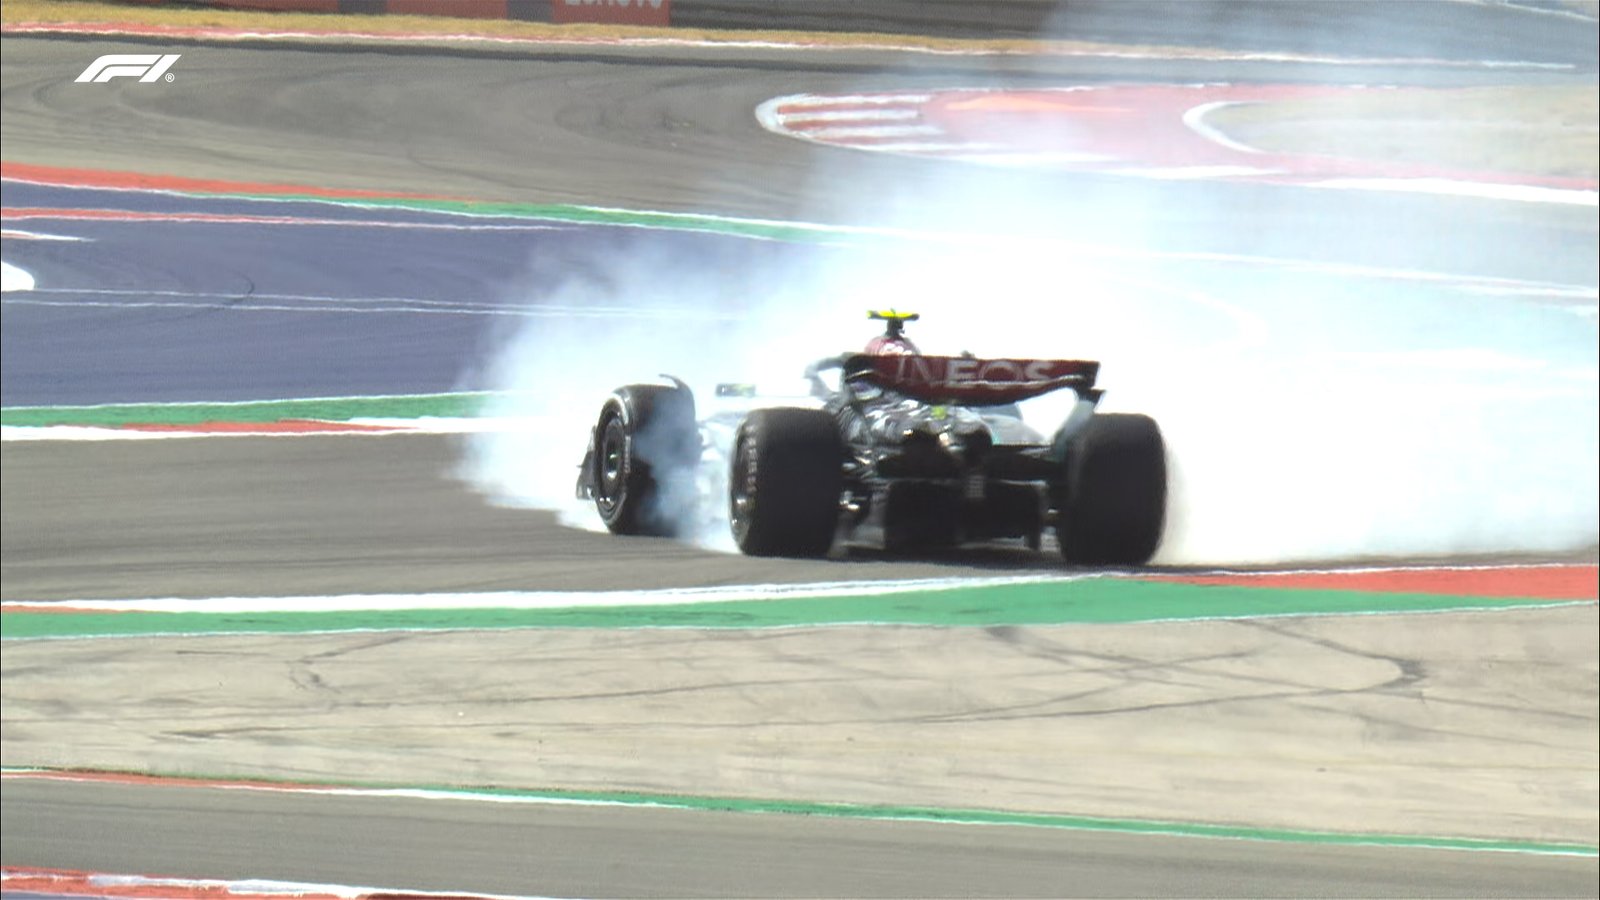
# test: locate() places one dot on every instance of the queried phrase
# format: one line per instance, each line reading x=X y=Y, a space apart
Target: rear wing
x=966 y=381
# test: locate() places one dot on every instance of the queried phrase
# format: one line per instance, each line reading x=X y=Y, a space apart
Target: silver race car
x=891 y=446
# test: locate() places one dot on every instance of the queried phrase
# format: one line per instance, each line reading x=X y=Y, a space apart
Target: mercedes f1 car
x=909 y=451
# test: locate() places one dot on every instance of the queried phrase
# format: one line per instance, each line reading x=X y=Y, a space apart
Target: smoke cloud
x=1313 y=413
x=1309 y=417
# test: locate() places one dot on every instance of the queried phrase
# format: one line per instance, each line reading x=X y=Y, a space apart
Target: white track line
x=211 y=219
x=1195 y=120
x=853 y=115
x=871 y=132
x=180 y=404
x=548 y=600
x=315 y=303
x=376 y=427
x=9 y=433
x=542 y=599
x=18 y=234
x=98 y=884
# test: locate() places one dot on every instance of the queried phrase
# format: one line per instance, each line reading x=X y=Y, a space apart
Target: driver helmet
x=895 y=345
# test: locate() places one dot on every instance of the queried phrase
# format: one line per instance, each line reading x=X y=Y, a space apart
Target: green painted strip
x=1039 y=820
x=907 y=813
x=331 y=409
x=589 y=215
x=1095 y=600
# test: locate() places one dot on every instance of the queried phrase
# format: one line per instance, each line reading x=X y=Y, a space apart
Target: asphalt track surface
x=231 y=517
x=677 y=133
x=570 y=850
x=373 y=302
x=287 y=516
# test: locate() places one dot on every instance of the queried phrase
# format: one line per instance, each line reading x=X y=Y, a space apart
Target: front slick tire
x=1115 y=492
x=646 y=447
x=785 y=481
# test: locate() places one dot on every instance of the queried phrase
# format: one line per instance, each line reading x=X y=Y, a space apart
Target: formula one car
x=910 y=451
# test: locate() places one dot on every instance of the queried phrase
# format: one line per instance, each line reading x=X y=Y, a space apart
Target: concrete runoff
x=1453 y=724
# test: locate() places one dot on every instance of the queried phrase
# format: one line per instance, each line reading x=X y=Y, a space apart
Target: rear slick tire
x=1115 y=492
x=784 y=483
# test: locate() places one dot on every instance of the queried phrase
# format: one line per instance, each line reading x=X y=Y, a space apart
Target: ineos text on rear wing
x=966 y=381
